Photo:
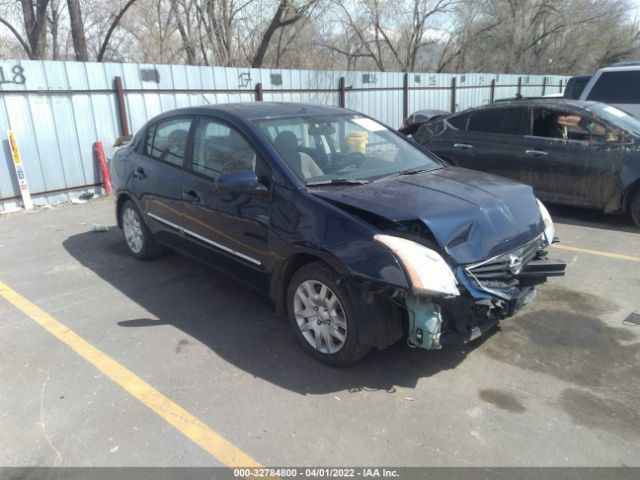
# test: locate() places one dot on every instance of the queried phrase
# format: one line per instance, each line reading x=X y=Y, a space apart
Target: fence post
x=453 y=95
x=259 y=92
x=405 y=96
x=519 y=86
x=492 y=95
x=342 y=101
x=122 y=109
x=560 y=85
x=544 y=85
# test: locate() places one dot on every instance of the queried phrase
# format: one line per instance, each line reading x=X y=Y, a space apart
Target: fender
x=630 y=179
x=325 y=232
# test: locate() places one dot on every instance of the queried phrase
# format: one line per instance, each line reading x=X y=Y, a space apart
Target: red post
x=259 y=92
x=122 y=109
x=104 y=168
x=342 y=93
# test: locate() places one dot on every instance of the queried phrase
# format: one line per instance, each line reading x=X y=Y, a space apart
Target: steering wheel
x=351 y=160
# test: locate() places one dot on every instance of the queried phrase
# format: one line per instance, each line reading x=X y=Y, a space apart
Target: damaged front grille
x=501 y=272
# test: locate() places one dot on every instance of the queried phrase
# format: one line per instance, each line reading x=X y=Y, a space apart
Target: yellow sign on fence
x=17 y=164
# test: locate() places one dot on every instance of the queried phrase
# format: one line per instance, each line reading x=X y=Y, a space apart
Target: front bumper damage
x=489 y=291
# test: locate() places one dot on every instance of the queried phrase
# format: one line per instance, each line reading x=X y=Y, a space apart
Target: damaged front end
x=488 y=292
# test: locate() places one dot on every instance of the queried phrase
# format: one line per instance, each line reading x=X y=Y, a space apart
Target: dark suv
x=356 y=234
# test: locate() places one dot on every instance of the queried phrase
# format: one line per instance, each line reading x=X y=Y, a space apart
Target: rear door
x=227 y=230
x=157 y=175
x=497 y=135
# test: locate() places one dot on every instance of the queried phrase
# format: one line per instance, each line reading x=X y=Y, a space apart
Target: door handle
x=140 y=173
x=191 y=196
x=463 y=146
x=536 y=153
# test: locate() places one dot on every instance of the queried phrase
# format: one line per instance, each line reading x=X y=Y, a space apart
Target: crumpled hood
x=473 y=216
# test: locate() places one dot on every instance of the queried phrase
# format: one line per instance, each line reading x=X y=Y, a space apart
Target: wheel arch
x=629 y=194
x=383 y=317
x=122 y=198
x=290 y=266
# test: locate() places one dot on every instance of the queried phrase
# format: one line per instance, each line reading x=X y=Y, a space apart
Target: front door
x=568 y=160
x=228 y=230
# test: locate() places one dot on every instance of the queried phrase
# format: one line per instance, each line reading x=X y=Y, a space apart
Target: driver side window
x=567 y=125
x=218 y=149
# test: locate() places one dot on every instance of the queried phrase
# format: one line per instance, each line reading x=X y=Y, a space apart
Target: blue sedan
x=359 y=236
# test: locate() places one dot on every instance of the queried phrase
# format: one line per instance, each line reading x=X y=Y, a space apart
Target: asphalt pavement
x=181 y=366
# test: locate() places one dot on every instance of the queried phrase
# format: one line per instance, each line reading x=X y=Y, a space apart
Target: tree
x=34 y=18
x=77 y=30
x=55 y=13
x=114 y=24
x=392 y=33
x=286 y=14
x=521 y=36
x=539 y=36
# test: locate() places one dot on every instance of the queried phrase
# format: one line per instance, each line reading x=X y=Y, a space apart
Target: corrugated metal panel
x=67 y=106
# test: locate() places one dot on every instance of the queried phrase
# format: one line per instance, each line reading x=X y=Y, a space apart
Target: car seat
x=287 y=144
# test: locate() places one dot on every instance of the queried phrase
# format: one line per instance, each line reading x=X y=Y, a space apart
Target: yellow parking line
x=598 y=252
x=197 y=431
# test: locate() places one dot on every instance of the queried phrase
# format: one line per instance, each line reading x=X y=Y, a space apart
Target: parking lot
x=170 y=363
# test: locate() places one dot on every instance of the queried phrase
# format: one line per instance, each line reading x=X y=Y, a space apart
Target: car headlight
x=428 y=272
x=549 y=229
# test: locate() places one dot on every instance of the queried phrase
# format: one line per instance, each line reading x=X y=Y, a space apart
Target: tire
x=136 y=234
x=634 y=209
x=335 y=340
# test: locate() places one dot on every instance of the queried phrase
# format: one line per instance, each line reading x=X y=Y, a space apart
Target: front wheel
x=635 y=209
x=136 y=233
x=321 y=313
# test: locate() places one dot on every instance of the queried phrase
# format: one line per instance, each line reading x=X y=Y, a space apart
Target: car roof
x=537 y=102
x=253 y=110
x=581 y=77
x=625 y=63
x=630 y=67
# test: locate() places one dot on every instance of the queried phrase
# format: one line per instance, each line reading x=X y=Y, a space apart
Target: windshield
x=617 y=117
x=323 y=149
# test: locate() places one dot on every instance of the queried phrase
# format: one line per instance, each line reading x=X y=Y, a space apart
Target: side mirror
x=242 y=181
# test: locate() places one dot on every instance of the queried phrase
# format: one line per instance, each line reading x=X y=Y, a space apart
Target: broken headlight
x=549 y=229
x=428 y=272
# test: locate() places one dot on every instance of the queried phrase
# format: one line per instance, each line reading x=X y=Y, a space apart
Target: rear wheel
x=635 y=209
x=321 y=313
x=136 y=233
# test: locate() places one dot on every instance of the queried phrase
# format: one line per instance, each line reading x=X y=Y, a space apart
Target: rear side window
x=578 y=88
x=510 y=121
x=459 y=121
x=617 y=87
x=167 y=140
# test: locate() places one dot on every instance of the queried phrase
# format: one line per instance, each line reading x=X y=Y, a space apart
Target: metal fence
x=57 y=110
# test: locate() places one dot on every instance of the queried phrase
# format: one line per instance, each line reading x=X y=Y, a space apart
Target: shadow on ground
x=585 y=217
x=239 y=325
